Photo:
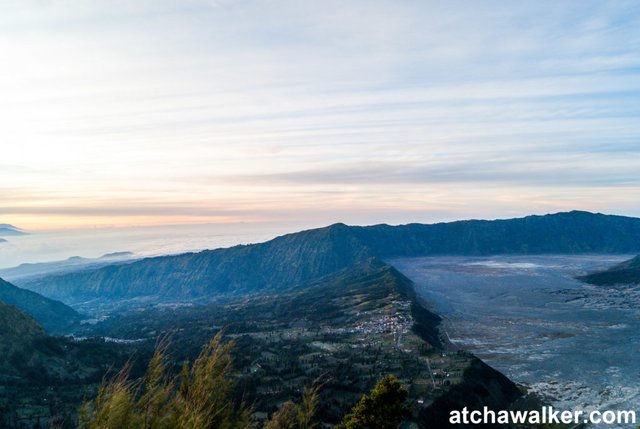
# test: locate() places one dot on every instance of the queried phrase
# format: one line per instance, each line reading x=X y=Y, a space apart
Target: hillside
x=345 y=329
x=628 y=272
x=296 y=258
x=54 y=316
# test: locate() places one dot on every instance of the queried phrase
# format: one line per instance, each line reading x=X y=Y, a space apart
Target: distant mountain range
x=53 y=315
x=74 y=263
x=297 y=258
x=7 y=230
x=628 y=272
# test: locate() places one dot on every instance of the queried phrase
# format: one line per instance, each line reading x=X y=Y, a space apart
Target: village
x=346 y=354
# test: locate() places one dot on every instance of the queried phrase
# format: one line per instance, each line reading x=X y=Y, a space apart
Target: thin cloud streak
x=506 y=172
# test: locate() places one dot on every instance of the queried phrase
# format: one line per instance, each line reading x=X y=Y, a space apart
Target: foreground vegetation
x=200 y=398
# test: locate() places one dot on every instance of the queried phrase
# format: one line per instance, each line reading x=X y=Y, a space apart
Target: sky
x=152 y=112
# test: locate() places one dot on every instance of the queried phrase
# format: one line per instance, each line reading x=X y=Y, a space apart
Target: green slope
x=54 y=316
x=628 y=272
x=296 y=258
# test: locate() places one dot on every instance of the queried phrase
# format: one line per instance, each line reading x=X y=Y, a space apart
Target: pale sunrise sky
x=161 y=112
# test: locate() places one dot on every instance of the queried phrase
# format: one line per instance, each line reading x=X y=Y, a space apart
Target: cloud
x=266 y=106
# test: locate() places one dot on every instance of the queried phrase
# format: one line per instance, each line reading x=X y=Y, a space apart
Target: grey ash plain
x=527 y=316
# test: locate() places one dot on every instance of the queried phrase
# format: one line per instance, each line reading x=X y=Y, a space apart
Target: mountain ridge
x=296 y=258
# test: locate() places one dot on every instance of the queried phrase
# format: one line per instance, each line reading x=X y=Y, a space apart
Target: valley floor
x=529 y=317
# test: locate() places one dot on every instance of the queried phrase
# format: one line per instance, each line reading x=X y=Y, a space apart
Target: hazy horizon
x=204 y=111
x=154 y=240
x=299 y=225
x=146 y=241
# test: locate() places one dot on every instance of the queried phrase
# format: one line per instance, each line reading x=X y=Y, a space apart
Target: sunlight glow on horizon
x=166 y=112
